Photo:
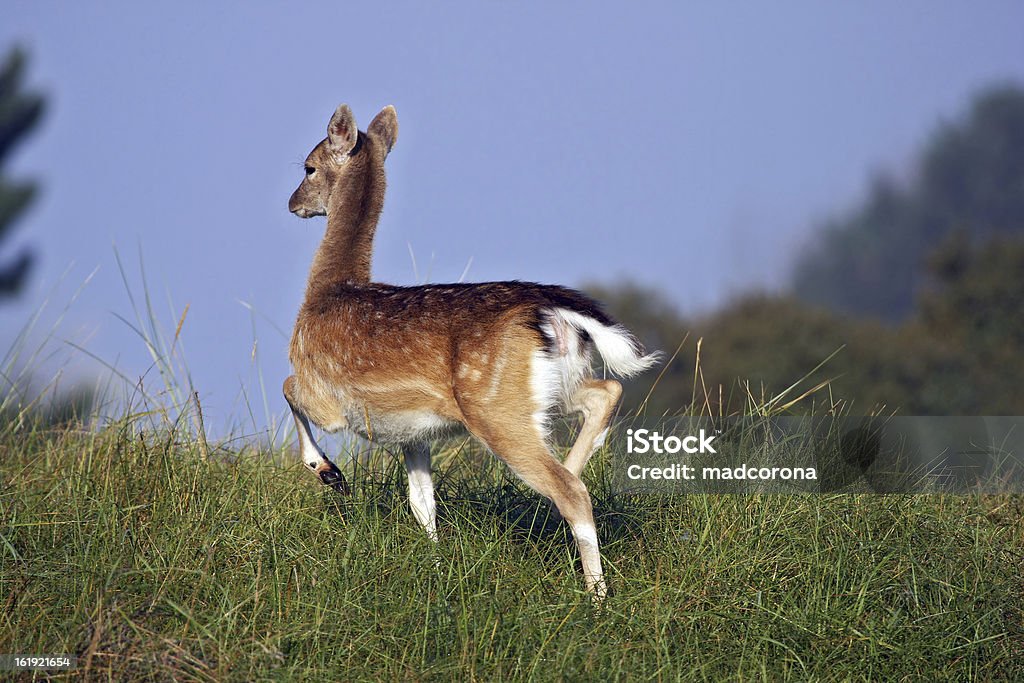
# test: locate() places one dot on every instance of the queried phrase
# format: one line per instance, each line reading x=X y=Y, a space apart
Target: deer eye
x=310 y=170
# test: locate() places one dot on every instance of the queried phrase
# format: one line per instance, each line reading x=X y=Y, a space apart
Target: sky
x=691 y=147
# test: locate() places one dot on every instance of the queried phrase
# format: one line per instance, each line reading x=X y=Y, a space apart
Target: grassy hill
x=147 y=561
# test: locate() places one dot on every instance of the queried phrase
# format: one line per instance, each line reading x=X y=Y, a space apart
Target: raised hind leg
x=596 y=400
x=312 y=456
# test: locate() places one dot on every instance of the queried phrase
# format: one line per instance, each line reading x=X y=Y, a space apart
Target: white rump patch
x=557 y=372
x=544 y=384
x=571 y=356
x=619 y=349
x=556 y=375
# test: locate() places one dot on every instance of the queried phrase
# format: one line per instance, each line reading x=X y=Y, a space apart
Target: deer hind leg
x=516 y=440
x=312 y=455
x=421 y=488
x=596 y=400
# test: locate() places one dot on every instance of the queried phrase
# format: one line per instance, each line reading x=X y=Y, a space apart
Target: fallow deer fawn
x=402 y=365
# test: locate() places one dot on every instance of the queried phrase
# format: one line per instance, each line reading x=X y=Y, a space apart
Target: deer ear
x=385 y=127
x=341 y=131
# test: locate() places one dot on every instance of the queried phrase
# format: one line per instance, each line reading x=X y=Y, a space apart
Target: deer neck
x=346 y=251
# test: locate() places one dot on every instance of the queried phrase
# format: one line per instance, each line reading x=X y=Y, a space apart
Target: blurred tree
x=975 y=301
x=943 y=256
x=19 y=113
x=970 y=177
x=773 y=342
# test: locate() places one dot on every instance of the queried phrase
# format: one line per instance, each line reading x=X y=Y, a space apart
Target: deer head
x=345 y=153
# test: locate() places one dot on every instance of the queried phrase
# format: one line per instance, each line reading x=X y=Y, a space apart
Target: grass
x=152 y=555
x=147 y=561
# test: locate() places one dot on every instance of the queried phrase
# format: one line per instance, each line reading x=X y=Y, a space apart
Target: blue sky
x=692 y=147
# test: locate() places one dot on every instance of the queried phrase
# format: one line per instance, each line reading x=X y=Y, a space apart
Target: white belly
x=398 y=427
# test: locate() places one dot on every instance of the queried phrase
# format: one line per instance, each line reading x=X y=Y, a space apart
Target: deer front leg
x=312 y=456
x=421 y=488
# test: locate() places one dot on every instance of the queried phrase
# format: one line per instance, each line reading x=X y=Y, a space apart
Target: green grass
x=147 y=562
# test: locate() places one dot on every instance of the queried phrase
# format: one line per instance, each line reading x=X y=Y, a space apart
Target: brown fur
x=433 y=345
x=397 y=363
x=347 y=185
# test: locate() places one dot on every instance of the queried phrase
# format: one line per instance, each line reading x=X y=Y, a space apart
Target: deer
x=405 y=365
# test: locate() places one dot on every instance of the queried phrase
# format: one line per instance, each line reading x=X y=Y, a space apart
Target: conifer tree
x=20 y=111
